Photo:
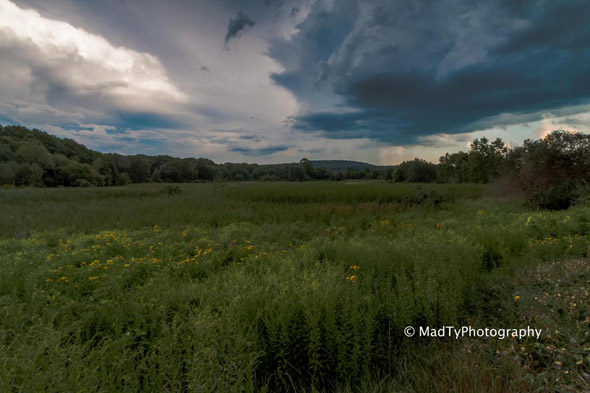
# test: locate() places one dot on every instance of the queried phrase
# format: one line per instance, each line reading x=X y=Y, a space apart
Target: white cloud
x=575 y=122
x=42 y=56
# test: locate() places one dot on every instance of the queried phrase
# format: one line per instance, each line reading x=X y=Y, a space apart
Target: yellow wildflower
x=352 y=278
x=516 y=298
x=355 y=267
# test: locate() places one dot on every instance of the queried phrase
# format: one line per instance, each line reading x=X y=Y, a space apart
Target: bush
x=552 y=172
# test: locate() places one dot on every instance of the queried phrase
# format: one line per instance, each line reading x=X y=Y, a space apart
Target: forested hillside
x=36 y=158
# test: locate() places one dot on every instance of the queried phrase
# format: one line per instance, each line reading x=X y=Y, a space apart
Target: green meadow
x=267 y=287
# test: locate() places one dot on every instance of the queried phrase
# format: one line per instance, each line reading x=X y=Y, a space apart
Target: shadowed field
x=279 y=287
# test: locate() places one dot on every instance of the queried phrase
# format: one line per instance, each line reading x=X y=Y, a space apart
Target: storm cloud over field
x=371 y=80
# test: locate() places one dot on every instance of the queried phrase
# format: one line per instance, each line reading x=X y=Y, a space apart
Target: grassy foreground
x=278 y=287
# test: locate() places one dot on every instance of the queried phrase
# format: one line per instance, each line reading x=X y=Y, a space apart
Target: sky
x=271 y=81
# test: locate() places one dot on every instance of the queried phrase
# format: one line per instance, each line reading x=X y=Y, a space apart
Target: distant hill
x=343 y=165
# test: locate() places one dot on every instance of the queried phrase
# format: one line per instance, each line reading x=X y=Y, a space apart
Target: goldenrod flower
x=355 y=267
x=352 y=278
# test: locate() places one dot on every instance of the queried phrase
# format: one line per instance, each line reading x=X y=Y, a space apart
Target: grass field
x=253 y=287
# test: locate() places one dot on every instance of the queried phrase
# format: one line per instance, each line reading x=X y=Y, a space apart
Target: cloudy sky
x=276 y=80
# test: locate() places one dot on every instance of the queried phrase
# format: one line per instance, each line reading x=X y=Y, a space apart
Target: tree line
x=552 y=172
x=36 y=158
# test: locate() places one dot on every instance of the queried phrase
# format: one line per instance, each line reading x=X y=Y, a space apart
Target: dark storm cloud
x=236 y=25
x=408 y=69
x=254 y=138
x=263 y=151
x=274 y=3
x=134 y=121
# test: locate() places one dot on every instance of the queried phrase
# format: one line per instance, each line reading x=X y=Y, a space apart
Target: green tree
x=28 y=175
x=296 y=173
x=485 y=160
x=177 y=171
x=31 y=152
x=452 y=168
x=415 y=171
x=8 y=171
x=139 y=169
x=308 y=169
x=6 y=153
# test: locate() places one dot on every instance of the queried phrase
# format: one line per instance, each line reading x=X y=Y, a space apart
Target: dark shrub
x=552 y=172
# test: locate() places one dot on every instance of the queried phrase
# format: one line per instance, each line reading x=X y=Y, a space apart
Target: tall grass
x=242 y=287
x=31 y=210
